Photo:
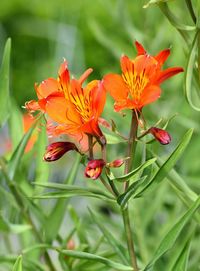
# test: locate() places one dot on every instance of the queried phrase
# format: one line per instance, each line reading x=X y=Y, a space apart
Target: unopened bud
x=94 y=168
x=116 y=163
x=160 y=135
x=71 y=244
x=57 y=149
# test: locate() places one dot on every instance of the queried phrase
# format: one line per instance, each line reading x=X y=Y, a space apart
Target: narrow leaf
x=6 y=226
x=113 y=138
x=57 y=214
x=181 y=263
x=75 y=190
x=65 y=195
x=4 y=83
x=15 y=124
x=95 y=258
x=168 y=165
x=118 y=248
x=124 y=198
x=17 y=155
x=127 y=177
x=18 y=264
x=170 y=238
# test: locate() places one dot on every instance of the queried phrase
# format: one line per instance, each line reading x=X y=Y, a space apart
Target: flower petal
x=162 y=56
x=149 y=95
x=116 y=86
x=140 y=48
x=164 y=75
x=46 y=88
x=56 y=107
x=98 y=99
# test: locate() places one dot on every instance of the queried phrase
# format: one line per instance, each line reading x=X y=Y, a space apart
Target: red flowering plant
x=75 y=108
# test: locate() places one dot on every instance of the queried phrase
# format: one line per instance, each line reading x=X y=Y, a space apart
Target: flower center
x=136 y=83
x=82 y=106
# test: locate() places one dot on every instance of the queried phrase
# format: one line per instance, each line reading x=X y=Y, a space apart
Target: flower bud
x=71 y=244
x=116 y=163
x=57 y=149
x=160 y=135
x=94 y=168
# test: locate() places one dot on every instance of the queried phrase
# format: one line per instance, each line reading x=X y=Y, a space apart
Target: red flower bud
x=57 y=150
x=116 y=163
x=94 y=168
x=160 y=135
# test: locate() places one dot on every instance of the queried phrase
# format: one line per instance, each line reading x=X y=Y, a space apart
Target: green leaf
x=65 y=195
x=168 y=165
x=170 y=238
x=4 y=83
x=95 y=258
x=189 y=74
x=18 y=264
x=57 y=214
x=17 y=155
x=124 y=198
x=117 y=247
x=72 y=190
x=6 y=226
x=113 y=138
x=15 y=124
x=181 y=263
x=8 y=258
x=153 y=2
x=42 y=168
x=127 y=177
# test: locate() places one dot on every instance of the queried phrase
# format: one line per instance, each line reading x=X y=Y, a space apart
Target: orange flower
x=140 y=81
x=74 y=108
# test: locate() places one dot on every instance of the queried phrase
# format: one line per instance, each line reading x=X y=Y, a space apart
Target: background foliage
x=91 y=34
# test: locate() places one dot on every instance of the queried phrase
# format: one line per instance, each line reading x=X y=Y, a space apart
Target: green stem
x=191 y=10
x=131 y=145
x=130 y=243
x=128 y=166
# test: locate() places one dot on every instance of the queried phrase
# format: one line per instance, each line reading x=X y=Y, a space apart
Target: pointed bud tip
x=57 y=149
x=160 y=135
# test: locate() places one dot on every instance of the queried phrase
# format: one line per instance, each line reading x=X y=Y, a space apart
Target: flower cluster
x=75 y=109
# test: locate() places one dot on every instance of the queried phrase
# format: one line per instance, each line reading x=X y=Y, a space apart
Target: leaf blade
x=4 y=83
